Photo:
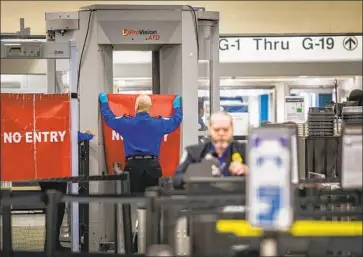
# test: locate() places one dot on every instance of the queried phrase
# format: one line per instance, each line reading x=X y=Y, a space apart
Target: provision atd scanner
x=178 y=35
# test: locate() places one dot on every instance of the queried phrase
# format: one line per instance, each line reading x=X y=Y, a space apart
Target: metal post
x=84 y=189
x=152 y=218
x=214 y=67
x=126 y=216
x=155 y=72
x=6 y=226
x=169 y=216
x=168 y=226
x=268 y=245
x=53 y=200
x=119 y=237
x=74 y=150
x=123 y=242
x=202 y=235
x=51 y=76
x=86 y=158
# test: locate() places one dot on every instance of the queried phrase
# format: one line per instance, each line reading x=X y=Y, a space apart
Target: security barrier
x=53 y=198
x=312 y=224
x=168 y=205
x=28 y=227
x=33 y=126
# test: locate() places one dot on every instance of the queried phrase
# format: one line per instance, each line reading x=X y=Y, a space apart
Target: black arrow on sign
x=350 y=43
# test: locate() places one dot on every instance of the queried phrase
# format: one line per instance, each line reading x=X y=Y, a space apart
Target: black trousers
x=144 y=173
x=61 y=187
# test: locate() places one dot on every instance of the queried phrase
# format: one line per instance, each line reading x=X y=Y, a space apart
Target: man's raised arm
x=118 y=124
x=172 y=123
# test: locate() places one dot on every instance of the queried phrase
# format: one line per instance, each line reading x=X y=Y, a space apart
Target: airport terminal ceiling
x=256 y=17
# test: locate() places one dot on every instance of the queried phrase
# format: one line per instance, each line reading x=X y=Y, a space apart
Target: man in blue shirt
x=142 y=136
x=231 y=154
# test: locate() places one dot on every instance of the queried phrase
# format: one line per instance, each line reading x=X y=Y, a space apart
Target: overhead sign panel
x=290 y=49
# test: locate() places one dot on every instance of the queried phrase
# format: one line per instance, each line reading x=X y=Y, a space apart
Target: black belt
x=141 y=157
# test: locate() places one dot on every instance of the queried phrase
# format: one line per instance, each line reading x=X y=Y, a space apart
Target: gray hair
x=220 y=114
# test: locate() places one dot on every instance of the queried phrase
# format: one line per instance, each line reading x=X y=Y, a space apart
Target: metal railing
x=170 y=205
x=29 y=220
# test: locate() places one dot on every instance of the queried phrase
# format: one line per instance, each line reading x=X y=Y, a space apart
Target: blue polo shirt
x=142 y=134
x=223 y=160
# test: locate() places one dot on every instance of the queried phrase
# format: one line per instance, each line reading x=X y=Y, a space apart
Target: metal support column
x=213 y=41
x=168 y=228
x=51 y=76
x=123 y=237
x=74 y=150
x=119 y=236
x=53 y=200
x=84 y=189
x=126 y=216
x=156 y=72
x=268 y=245
x=152 y=218
x=169 y=216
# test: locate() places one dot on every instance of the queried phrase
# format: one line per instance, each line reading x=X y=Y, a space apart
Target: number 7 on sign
x=270 y=202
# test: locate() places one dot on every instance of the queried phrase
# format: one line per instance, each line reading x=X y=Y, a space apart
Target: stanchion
x=169 y=216
x=84 y=190
x=269 y=245
x=6 y=220
x=123 y=238
x=346 y=236
x=168 y=225
x=53 y=200
x=119 y=237
x=126 y=216
x=152 y=235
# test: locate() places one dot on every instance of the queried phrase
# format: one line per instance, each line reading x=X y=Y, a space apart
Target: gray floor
x=28 y=231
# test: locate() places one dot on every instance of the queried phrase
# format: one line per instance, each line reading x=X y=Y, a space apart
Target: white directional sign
x=269 y=183
x=290 y=49
x=273 y=49
x=350 y=43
